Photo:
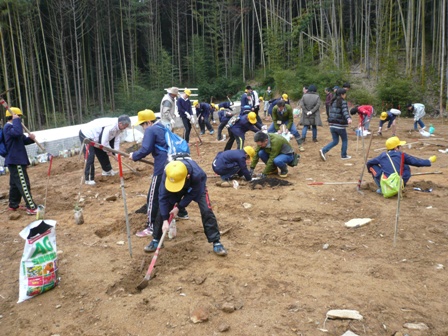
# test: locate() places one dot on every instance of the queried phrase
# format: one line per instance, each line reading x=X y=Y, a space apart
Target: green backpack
x=390 y=186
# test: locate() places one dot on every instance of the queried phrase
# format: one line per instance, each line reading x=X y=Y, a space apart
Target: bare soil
x=278 y=279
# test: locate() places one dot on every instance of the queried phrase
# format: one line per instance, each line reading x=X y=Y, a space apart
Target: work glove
x=251 y=171
x=309 y=113
x=172 y=121
x=188 y=116
x=279 y=131
x=192 y=120
x=130 y=155
x=433 y=159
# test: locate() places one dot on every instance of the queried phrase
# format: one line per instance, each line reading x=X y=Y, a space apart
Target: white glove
x=193 y=120
x=309 y=113
x=415 y=119
x=188 y=116
x=172 y=121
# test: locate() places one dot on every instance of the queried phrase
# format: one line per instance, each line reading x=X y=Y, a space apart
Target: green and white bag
x=390 y=186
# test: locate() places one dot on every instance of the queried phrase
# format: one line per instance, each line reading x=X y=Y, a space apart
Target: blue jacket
x=242 y=126
x=194 y=188
x=154 y=135
x=183 y=107
x=224 y=116
x=231 y=158
x=203 y=110
x=245 y=100
x=381 y=164
x=226 y=105
x=15 y=142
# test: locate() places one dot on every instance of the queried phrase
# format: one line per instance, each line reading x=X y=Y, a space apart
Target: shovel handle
x=120 y=165
x=49 y=167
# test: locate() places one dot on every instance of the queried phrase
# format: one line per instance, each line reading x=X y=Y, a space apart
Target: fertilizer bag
x=39 y=264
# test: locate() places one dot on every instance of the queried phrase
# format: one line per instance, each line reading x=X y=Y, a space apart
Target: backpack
x=3 y=150
x=390 y=186
x=176 y=144
x=233 y=121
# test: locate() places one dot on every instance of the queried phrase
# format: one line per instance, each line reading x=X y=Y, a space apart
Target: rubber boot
x=300 y=142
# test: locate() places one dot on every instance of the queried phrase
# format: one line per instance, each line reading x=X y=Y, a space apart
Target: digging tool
x=229 y=99
x=42 y=215
x=196 y=131
x=123 y=192
x=5 y=105
x=358 y=187
x=428 y=173
x=108 y=149
x=324 y=183
x=147 y=277
x=128 y=166
x=79 y=218
x=397 y=214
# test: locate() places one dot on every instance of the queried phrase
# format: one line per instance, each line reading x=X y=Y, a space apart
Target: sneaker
x=225 y=184
x=214 y=122
x=182 y=215
x=273 y=172
x=301 y=149
x=348 y=157
x=315 y=140
x=219 y=249
x=90 y=182
x=322 y=155
x=202 y=133
x=146 y=232
x=212 y=132
x=20 y=207
x=380 y=134
x=109 y=173
x=31 y=211
x=152 y=246
x=143 y=209
x=283 y=172
x=378 y=191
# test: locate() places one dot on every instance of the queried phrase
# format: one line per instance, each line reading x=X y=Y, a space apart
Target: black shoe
x=283 y=172
x=315 y=140
x=142 y=210
x=182 y=215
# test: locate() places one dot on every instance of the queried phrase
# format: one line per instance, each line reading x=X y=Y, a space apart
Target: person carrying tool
x=17 y=161
x=224 y=117
x=237 y=131
x=105 y=131
x=153 y=143
x=389 y=117
x=365 y=113
x=276 y=152
x=203 y=111
x=233 y=162
x=186 y=113
x=310 y=117
x=418 y=110
x=383 y=162
x=183 y=182
x=167 y=107
x=282 y=115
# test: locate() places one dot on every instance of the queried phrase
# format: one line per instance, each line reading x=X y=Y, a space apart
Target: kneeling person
x=183 y=181
x=275 y=151
x=232 y=162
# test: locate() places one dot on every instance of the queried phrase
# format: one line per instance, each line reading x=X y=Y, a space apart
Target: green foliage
x=139 y=98
x=219 y=88
x=362 y=96
x=200 y=62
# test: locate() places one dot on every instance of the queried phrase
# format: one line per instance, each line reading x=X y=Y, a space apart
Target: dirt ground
x=279 y=278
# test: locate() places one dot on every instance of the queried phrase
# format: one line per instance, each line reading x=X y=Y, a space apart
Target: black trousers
x=187 y=129
x=102 y=156
x=19 y=187
x=220 y=128
x=153 y=198
x=209 y=222
x=230 y=142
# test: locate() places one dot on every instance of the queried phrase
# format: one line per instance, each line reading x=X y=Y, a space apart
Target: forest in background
x=71 y=60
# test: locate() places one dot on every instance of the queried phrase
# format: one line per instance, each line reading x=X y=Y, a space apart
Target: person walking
x=203 y=111
x=105 y=131
x=186 y=113
x=418 y=110
x=310 y=104
x=153 y=143
x=17 y=161
x=390 y=161
x=282 y=115
x=276 y=152
x=339 y=120
x=233 y=162
x=183 y=182
x=167 y=107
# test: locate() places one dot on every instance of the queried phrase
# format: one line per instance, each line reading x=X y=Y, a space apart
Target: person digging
x=183 y=182
x=276 y=152
x=390 y=161
x=231 y=163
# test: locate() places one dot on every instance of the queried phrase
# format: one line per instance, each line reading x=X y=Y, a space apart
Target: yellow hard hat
x=214 y=106
x=383 y=115
x=176 y=172
x=222 y=109
x=14 y=110
x=249 y=151
x=285 y=96
x=187 y=92
x=145 y=116
x=195 y=102
x=261 y=98
x=252 y=116
x=393 y=142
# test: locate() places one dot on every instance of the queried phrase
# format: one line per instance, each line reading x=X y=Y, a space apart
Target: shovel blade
x=142 y=285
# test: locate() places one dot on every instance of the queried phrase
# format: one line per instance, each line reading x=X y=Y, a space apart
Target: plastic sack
x=39 y=264
x=390 y=185
x=424 y=133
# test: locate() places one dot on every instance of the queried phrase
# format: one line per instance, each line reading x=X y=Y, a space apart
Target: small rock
x=258 y=186
x=59 y=252
x=326 y=246
x=296 y=219
x=344 y=314
x=357 y=222
x=121 y=242
x=199 y=315
x=200 y=280
x=14 y=216
x=416 y=326
x=228 y=307
x=223 y=327
x=58 y=306
x=247 y=205
x=112 y=198
x=349 y=333
x=284 y=218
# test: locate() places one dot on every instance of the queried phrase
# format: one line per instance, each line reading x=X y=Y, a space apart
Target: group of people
x=177 y=182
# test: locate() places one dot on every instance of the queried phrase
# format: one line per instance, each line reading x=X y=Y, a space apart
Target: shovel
x=147 y=277
x=123 y=192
